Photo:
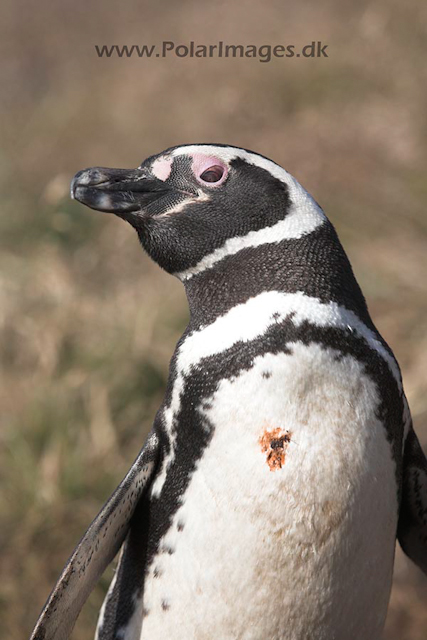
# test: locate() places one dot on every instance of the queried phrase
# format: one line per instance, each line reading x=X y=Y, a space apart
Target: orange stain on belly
x=274 y=443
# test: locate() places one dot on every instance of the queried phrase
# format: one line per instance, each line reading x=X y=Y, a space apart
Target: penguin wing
x=412 y=526
x=124 y=594
x=96 y=549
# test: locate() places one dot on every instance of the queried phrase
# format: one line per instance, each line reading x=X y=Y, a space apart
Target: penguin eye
x=213 y=174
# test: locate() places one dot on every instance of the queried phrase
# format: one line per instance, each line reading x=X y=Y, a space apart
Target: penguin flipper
x=123 y=596
x=96 y=549
x=412 y=526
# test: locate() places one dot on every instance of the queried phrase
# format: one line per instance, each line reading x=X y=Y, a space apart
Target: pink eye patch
x=209 y=170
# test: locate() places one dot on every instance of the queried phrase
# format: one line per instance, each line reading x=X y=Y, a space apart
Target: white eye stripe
x=294 y=226
x=303 y=218
x=299 y=196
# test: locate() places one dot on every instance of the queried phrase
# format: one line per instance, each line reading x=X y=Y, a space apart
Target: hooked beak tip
x=119 y=191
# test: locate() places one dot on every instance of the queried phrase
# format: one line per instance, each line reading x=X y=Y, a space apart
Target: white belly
x=287 y=528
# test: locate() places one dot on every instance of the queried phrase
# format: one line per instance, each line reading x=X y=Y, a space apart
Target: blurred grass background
x=88 y=323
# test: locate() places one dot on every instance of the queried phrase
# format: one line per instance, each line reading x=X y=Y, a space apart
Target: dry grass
x=88 y=323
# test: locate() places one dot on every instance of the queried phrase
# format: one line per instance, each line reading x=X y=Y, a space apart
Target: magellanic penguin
x=282 y=464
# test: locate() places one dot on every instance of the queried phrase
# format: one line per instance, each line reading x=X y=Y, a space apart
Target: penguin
x=282 y=464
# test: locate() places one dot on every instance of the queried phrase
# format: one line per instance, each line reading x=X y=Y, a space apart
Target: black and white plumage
x=282 y=463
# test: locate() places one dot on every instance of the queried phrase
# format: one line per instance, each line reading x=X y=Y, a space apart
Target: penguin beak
x=119 y=191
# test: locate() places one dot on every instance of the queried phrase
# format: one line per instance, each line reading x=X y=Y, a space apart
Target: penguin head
x=192 y=205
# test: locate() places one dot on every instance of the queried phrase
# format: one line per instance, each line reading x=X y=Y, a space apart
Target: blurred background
x=88 y=323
